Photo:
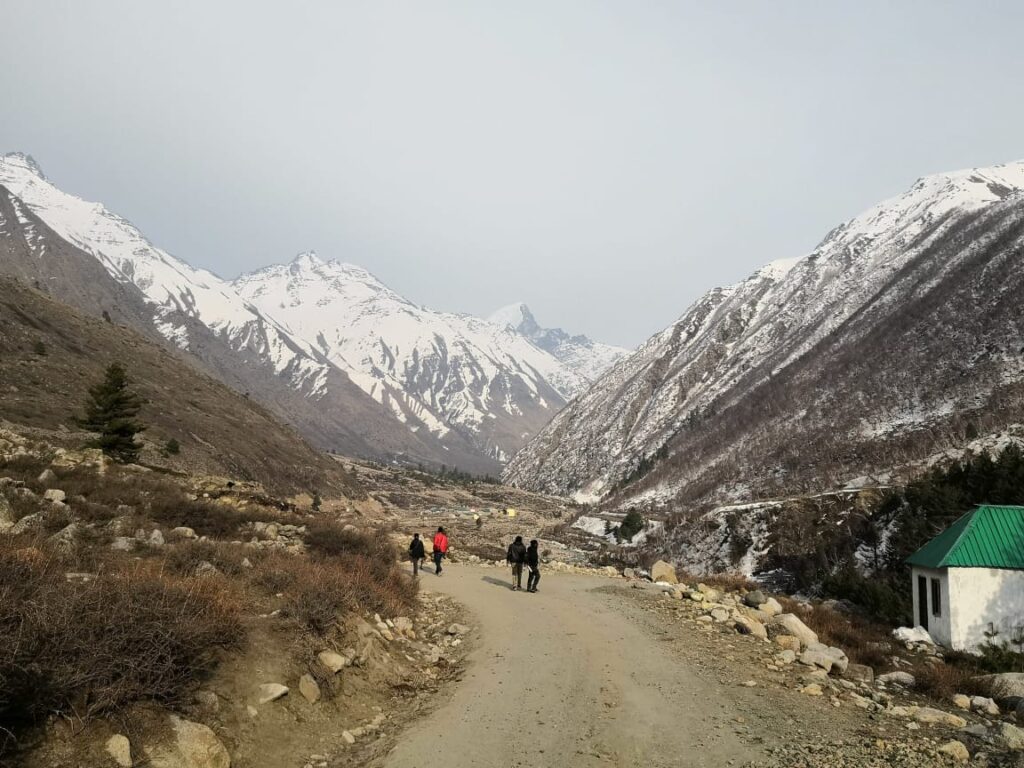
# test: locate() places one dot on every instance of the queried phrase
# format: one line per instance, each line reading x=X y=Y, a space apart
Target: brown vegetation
x=81 y=647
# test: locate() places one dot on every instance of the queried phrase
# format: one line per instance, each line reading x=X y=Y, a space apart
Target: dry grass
x=348 y=571
x=83 y=648
x=942 y=681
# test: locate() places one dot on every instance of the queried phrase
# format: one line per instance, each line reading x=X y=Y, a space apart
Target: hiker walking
x=440 y=548
x=533 y=563
x=417 y=554
x=515 y=557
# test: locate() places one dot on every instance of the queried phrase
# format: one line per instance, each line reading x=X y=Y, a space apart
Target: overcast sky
x=605 y=162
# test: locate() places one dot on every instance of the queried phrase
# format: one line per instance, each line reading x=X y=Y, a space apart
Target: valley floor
x=591 y=672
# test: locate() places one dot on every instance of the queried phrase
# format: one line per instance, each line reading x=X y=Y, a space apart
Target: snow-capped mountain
x=350 y=363
x=588 y=358
x=445 y=371
x=901 y=327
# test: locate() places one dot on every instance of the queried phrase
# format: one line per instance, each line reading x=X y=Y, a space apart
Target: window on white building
x=936 y=597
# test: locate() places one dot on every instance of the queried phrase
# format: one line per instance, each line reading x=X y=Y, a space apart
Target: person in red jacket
x=440 y=549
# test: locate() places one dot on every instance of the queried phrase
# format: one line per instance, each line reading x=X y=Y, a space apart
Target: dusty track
x=570 y=677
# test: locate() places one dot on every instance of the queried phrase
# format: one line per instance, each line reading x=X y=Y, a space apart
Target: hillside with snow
x=897 y=333
x=351 y=364
x=444 y=371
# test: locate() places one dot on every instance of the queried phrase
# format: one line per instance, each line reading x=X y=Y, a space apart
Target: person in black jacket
x=515 y=557
x=417 y=554
x=533 y=563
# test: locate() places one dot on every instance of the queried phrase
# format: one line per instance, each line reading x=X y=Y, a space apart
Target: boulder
x=156 y=538
x=771 y=606
x=191 y=745
x=910 y=635
x=1006 y=684
x=812 y=690
x=48 y=476
x=955 y=750
x=961 y=701
x=66 y=538
x=272 y=692
x=183 y=532
x=457 y=629
x=899 y=677
x=1008 y=737
x=333 y=662
x=662 y=571
x=720 y=613
x=710 y=594
x=859 y=673
x=755 y=599
x=54 y=494
x=984 y=706
x=747 y=626
x=309 y=689
x=931 y=716
x=789 y=624
x=28 y=523
x=123 y=543
x=826 y=657
x=786 y=656
x=348 y=737
x=786 y=642
x=119 y=748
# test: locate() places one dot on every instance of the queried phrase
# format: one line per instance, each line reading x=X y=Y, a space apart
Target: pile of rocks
x=285 y=536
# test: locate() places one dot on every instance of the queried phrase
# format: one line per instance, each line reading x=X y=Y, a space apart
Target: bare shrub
x=84 y=648
x=183 y=558
x=941 y=681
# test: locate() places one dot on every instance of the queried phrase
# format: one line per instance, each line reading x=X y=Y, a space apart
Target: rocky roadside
x=850 y=716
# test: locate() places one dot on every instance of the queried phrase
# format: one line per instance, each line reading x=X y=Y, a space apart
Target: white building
x=969 y=579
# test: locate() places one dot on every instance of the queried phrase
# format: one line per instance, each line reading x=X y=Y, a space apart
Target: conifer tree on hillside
x=111 y=411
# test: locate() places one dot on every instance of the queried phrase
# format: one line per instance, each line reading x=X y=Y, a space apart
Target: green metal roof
x=986 y=537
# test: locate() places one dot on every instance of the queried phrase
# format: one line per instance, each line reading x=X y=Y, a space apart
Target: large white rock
x=192 y=746
x=912 y=635
x=897 y=678
x=790 y=624
x=931 y=716
x=662 y=571
x=54 y=494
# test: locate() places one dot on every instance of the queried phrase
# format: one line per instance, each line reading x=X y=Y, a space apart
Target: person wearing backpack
x=417 y=554
x=515 y=557
x=440 y=548
x=533 y=563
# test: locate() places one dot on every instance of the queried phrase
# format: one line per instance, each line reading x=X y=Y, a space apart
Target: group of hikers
x=517 y=556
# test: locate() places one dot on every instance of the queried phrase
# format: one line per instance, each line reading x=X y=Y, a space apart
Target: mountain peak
x=307 y=257
x=514 y=315
x=25 y=161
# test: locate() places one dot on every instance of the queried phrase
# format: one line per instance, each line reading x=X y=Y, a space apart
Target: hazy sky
x=606 y=162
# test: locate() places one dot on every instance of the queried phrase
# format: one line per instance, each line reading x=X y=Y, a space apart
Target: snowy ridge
x=588 y=359
x=735 y=339
x=376 y=368
x=446 y=370
x=177 y=290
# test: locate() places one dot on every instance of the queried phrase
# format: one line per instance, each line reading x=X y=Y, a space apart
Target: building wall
x=940 y=624
x=979 y=597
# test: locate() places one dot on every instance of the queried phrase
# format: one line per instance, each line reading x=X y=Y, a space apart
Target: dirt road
x=570 y=677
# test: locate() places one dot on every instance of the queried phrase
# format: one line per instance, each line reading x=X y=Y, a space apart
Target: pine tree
x=111 y=411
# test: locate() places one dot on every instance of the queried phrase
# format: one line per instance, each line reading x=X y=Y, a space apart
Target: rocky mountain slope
x=352 y=365
x=51 y=354
x=251 y=354
x=438 y=372
x=588 y=358
x=897 y=337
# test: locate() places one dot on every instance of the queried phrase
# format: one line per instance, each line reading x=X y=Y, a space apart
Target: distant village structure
x=968 y=582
